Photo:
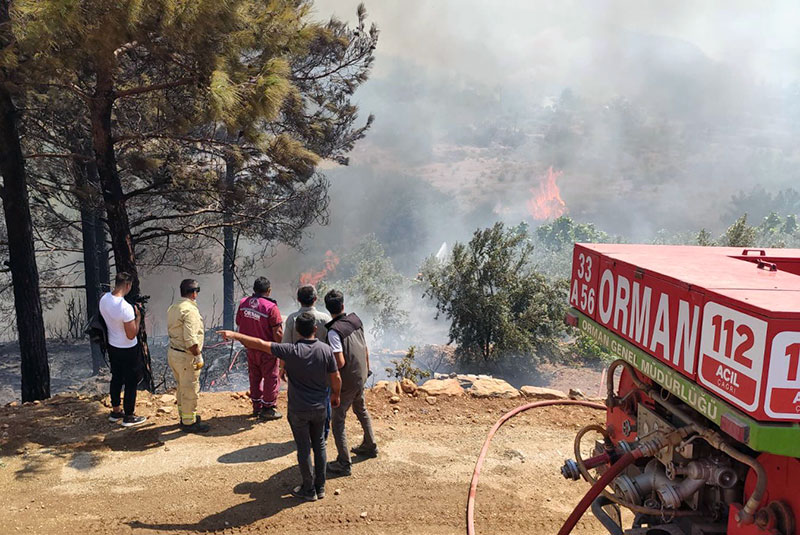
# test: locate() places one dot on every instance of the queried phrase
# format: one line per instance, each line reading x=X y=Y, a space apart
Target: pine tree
x=740 y=234
x=318 y=113
x=65 y=192
x=16 y=207
x=173 y=63
x=204 y=122
x=704 y=238
x=499 y=306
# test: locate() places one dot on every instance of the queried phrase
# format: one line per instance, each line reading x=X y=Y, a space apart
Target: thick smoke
x=655 y=116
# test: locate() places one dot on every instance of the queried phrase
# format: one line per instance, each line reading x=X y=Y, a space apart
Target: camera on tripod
x=141 y=301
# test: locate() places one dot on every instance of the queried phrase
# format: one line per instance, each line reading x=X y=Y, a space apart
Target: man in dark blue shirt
x=310 y=366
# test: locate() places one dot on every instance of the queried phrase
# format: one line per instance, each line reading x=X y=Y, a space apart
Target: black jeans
x=308 y=428
x=124 y=372
x=327 y=416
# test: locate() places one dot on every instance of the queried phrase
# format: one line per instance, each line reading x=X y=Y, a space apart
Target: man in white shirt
x=307 y=297
x=122 y=322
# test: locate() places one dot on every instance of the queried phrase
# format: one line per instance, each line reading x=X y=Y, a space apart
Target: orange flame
x=313 y=277
x=546 y=202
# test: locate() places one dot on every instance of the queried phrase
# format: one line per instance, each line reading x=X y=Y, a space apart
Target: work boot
x=269 y=413
x=337 y=468
x=298 y=492
x=365 y=450
x=197 y=420
x=131 y=420
x=196 y=427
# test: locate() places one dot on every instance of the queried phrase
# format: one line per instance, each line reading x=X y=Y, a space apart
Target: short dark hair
x=123 y=278
x=261 y=286
x=334 y=301
x=188 y=286
x=307 y=294
x=304 y=323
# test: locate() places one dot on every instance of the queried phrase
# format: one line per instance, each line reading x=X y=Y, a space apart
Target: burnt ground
x=71 y=370
x=65 y=469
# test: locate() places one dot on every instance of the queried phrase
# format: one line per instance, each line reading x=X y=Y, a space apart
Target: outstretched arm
x=277 y=332
x=249 y=342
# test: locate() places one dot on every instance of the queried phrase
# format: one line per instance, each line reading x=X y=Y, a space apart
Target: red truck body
x=726 y=318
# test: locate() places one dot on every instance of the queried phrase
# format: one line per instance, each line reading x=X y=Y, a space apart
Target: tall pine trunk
x=22 y=256
x=91 y=253
x=91 y=277
x=102 y=104
x=228 y=287
x=229 y=253
x=101 y=242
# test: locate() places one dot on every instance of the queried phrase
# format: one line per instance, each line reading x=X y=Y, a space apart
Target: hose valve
x=570 y=470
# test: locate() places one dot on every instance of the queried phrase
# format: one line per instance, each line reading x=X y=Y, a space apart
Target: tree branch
x=155 y=87
x=149 y=219
x=70 y=155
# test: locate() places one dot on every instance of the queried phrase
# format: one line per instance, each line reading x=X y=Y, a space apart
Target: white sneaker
x=115 y=417
x=130 y=421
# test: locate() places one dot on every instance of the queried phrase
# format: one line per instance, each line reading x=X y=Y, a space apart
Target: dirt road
x=64 y=469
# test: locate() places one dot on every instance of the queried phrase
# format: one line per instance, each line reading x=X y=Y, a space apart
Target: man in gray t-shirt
x=310 y=367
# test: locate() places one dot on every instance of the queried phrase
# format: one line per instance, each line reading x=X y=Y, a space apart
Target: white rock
x=485 y=387
x=576 y=393
x=442 y=387
x=408 y=386
x=381 y=385
x=536 y=392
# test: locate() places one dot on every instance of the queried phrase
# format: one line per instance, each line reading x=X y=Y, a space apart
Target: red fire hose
x=473 y=486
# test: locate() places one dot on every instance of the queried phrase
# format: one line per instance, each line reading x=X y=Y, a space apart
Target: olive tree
x=498 y=304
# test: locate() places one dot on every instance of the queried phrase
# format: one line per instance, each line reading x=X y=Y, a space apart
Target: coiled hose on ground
x=473 y=486
x=746 y=516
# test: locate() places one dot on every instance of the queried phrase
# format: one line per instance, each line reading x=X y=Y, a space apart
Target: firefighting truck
x=702 y=431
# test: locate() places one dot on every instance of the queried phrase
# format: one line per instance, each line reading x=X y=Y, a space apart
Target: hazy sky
x=513 y=37
x=725 y=72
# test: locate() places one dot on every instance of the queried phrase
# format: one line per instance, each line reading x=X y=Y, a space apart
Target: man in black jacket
x=346 y=338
